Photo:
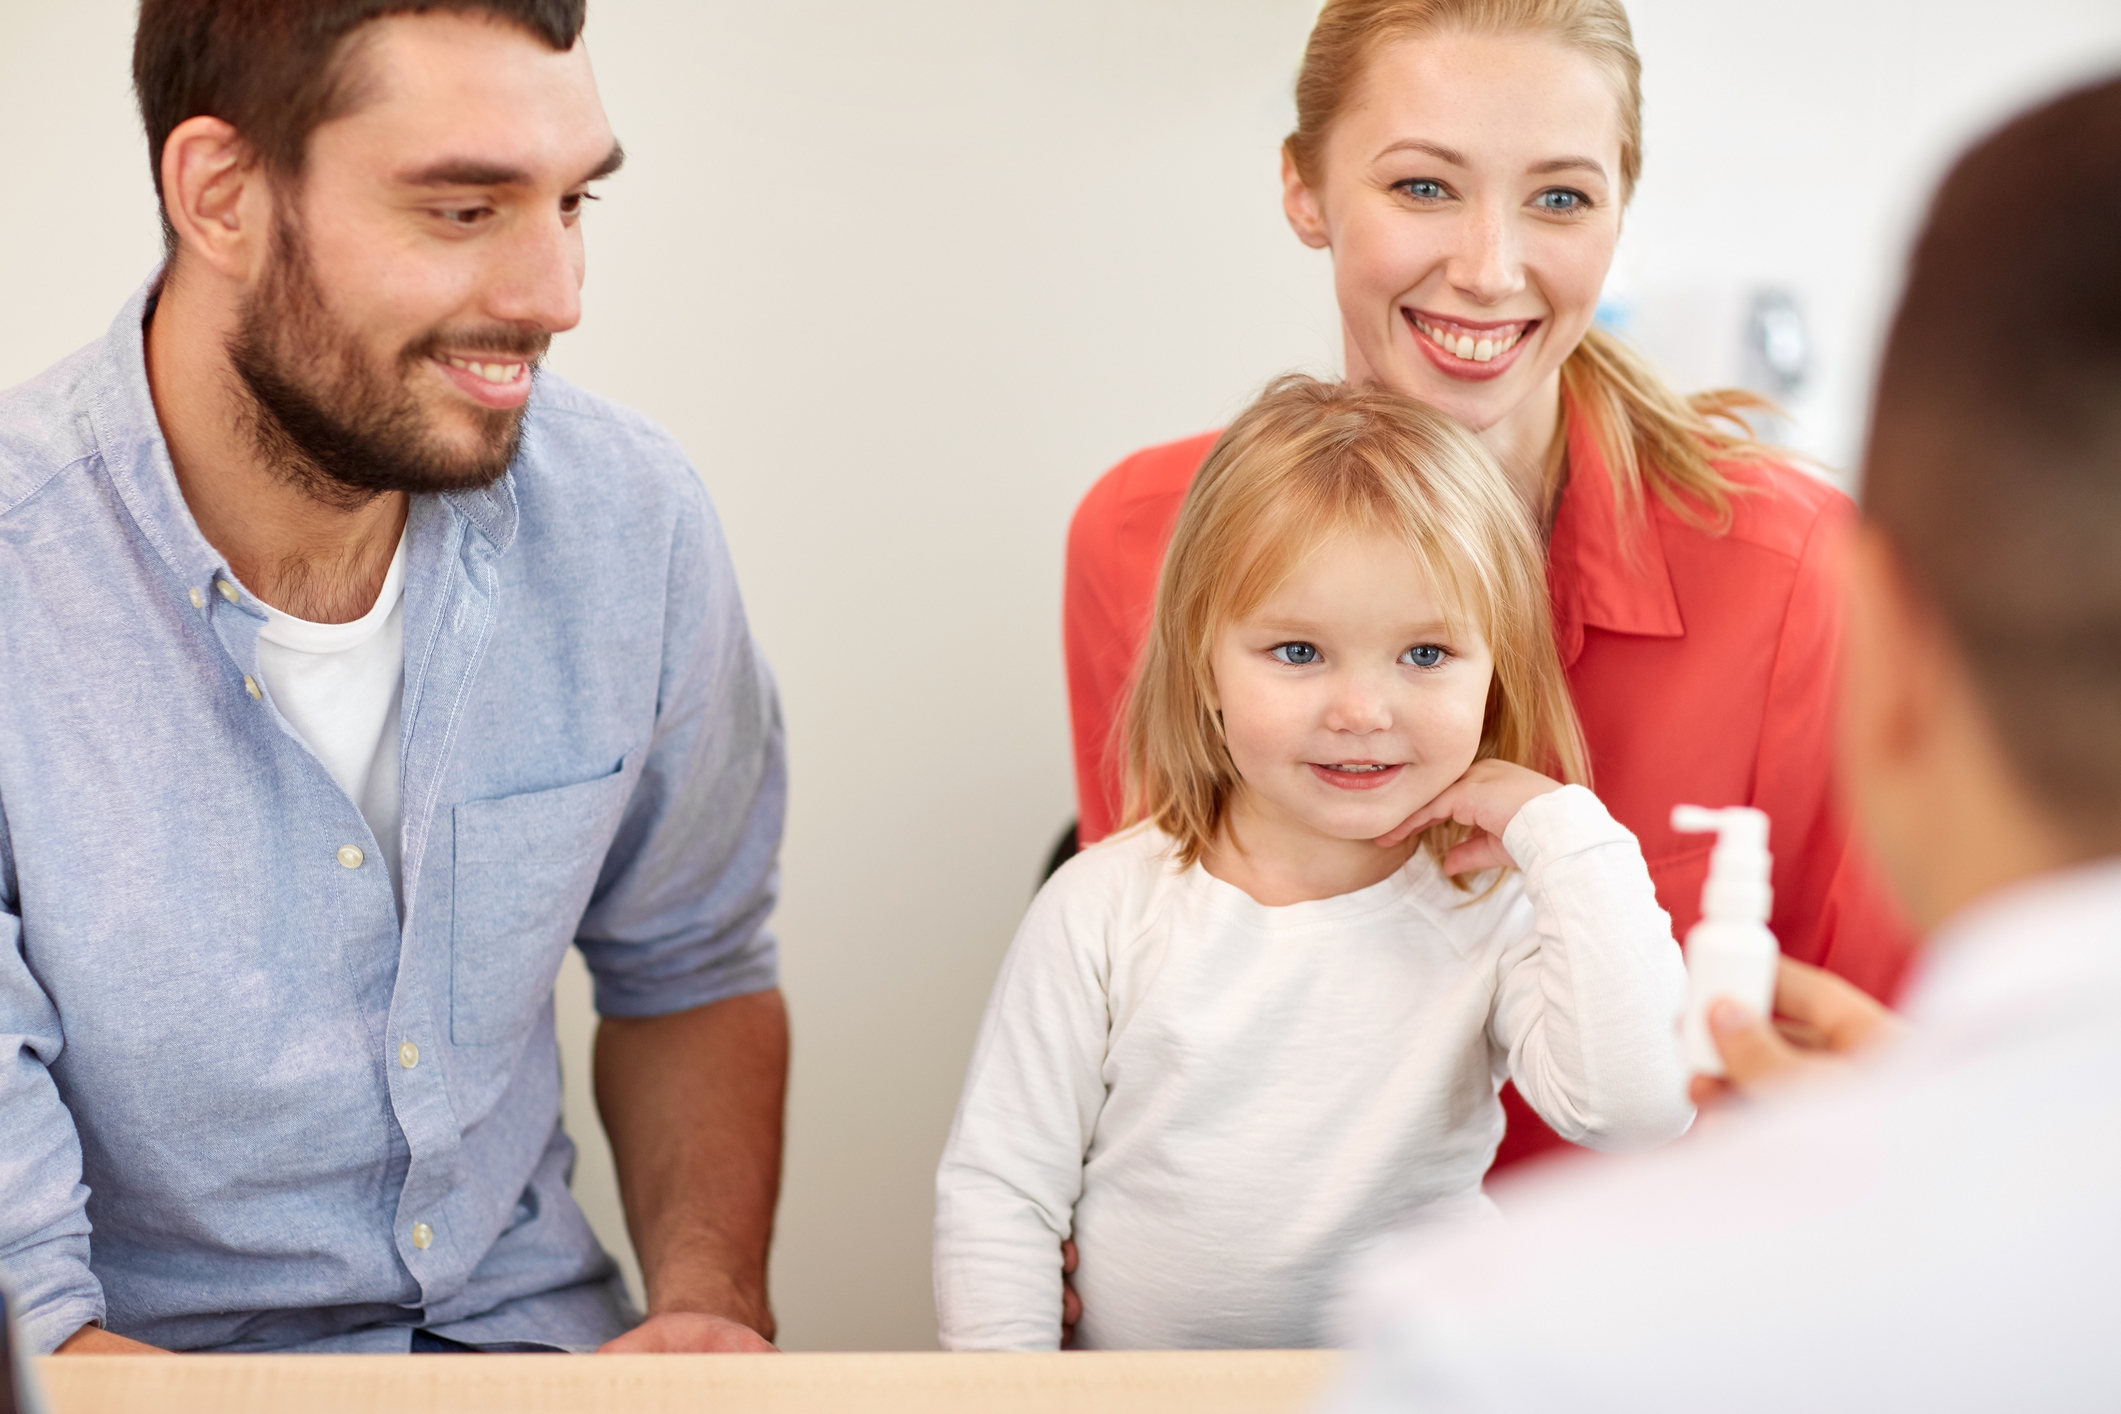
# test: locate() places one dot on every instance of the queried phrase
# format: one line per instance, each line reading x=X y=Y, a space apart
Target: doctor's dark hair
x=1305 y=465
x=1994 y=465
x=274 y=70
x=1654 y=439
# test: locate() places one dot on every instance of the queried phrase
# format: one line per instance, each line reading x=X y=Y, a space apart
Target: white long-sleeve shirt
x=1938 y=1231
x=1223 y=1102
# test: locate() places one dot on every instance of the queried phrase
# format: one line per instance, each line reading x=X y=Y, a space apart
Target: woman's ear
x=1306 y=215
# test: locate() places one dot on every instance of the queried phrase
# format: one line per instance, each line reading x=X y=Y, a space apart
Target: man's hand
x=1487 y=797
x=687 y=1333
x=1820 y=1020
x=692 y=1103
x=94 y=1340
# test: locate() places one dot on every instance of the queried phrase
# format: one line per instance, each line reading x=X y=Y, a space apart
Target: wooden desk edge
x=1111 y=1382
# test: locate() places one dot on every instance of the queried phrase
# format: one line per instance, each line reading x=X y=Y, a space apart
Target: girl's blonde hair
x=1651 y=435
x=1306 y=464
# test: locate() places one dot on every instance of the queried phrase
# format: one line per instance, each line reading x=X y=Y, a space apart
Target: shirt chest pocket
x=525 y=867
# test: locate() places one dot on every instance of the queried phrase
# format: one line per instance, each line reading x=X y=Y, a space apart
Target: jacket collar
x=1599 y=575
x=129 y=436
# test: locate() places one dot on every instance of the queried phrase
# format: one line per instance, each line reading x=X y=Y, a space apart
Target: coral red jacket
x=1703 y=668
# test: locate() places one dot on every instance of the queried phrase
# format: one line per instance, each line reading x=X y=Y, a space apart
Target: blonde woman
x=1240 y=1042
x=1466 y=162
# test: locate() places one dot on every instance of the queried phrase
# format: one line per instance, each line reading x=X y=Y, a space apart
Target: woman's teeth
x=1359 y=770
x=1478 y=348
x=491 y=372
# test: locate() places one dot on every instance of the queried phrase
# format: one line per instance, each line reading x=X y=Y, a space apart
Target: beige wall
x=903 y=278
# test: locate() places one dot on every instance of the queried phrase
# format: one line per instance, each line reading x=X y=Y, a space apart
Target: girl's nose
x=1358 y=705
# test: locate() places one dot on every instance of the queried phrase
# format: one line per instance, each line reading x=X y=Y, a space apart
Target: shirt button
x=423 y=1236
x=350 y=855
x=408 y=1054
x=228 y=591
x=198 y=601
x=250 y=684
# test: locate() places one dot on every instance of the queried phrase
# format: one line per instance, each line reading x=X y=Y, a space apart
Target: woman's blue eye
x=1296 y=655
x=1428 y=655
x=1561 y=199
x=1423 y=189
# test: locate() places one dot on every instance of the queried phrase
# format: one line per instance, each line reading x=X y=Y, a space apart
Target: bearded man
x=353 y=669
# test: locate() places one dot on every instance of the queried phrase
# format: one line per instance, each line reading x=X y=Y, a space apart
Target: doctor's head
x=1982 y=711
x=379 y=204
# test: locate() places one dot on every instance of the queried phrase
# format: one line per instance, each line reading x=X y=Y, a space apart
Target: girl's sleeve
x=1589 y=994
x=1013 y=1166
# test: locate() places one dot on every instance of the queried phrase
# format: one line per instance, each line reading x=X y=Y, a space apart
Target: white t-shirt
x=1937 y=1231
x=1223 y=1103
x=341 y=686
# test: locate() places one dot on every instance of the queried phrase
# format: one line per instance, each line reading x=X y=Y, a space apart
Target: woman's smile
x=1474 y=350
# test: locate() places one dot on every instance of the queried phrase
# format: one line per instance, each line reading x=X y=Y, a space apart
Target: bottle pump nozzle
x=1738 y=890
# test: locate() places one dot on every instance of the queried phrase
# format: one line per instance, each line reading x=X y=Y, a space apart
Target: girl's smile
x=1358 y=775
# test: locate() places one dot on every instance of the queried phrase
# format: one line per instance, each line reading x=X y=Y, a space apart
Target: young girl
x=1249 y=1035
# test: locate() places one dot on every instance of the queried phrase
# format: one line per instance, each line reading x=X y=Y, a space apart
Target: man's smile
x=494 y=383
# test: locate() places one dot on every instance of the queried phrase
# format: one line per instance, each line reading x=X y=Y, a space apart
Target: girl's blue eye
x=1296 y=655
x=1562 y=199
x=1428 y=655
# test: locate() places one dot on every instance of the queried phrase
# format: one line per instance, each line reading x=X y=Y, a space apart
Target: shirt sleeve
x=1832 y=906
x=1588 y=997
x=44 y=1218
x=1012 y=1170
x=678 y=918
x=1101 y=636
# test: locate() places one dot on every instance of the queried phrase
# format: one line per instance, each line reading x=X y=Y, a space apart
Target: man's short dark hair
x=1995 y=456
x=275 y=69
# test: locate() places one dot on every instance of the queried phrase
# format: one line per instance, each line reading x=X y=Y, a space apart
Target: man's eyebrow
x=478 y=172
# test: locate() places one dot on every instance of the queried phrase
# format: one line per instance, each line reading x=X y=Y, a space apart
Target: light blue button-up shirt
x=213 y=1133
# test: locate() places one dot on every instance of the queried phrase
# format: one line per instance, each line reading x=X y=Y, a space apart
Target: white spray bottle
x=1730 y=952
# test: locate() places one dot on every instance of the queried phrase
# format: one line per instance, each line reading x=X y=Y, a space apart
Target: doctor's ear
x=1301 y=205
x=216 y=195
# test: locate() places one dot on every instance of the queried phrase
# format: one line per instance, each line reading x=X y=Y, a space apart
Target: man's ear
x=215 y=195
x=1892 y=665
x=1306 y=216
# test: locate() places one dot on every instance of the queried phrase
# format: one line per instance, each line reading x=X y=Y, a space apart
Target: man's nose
x=538 y=281
x=1485 y=268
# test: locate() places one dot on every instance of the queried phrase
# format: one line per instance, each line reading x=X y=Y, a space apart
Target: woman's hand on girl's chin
x=1487 y=798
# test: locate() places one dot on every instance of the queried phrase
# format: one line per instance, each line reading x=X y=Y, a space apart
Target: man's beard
x=334 y=422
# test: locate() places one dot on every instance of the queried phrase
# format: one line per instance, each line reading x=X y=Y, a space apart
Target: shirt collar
x=129 y=436
x=2026 y=943
x=1602 y=576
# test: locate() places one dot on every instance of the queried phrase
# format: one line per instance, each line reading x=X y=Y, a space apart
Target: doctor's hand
x=1820 y=1021
x=688 y=1333
x=1487 y=797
